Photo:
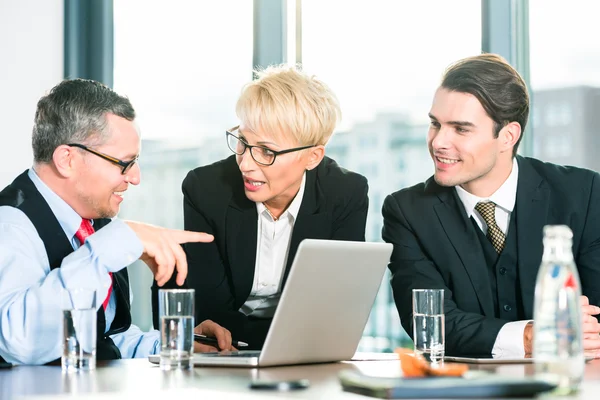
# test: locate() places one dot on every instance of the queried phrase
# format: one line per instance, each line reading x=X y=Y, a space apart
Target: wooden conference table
x=127 y=379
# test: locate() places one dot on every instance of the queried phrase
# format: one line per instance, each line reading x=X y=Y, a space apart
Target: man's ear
x=509 y=136
x=315 y=156
x=64 y=160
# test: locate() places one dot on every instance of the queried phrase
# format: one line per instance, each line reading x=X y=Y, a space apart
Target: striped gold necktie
x=494 y=233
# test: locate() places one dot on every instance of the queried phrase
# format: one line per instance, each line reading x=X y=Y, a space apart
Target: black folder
x=443 y=387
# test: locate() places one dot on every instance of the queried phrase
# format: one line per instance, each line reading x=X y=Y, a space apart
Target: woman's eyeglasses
x=260 y=154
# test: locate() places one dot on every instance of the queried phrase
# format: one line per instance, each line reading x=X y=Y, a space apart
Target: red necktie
x=85 y=230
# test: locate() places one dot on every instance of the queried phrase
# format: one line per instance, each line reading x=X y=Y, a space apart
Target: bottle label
x=570 y=282
x=557 y=328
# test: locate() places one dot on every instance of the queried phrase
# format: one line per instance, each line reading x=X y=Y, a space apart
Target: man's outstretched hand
x=162 y=249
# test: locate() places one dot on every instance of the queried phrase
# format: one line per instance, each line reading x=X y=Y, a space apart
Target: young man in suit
x=58 y=230
x=276 y=190
x=474 y=228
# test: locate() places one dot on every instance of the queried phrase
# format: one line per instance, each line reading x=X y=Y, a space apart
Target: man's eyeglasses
x=125 y=165
x=260 y=154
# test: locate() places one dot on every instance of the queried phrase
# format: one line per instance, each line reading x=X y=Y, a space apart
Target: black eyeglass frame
x=126 y=165
x=247 y=146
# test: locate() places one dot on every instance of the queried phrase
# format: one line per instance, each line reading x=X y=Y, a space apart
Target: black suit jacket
x=334 y=206
x=436 y=247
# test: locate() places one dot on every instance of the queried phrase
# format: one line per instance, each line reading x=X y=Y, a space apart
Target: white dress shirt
x=505 y=198
x=272 y=248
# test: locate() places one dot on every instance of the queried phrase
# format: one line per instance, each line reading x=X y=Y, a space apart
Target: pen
x=213 y=342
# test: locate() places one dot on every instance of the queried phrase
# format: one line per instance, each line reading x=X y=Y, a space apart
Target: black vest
x=23 y=194
x=504 y=273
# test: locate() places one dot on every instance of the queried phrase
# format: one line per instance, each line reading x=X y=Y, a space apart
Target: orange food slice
x=448 y=369
x=414 y=365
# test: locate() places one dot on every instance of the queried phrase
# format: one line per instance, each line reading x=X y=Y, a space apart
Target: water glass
x=176 y=314
x=79 y=330
x=428 y=323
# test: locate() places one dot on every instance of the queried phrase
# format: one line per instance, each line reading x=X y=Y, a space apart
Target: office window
x=183 y=79
x=384 y=60
x=368 y=141
x=534 y=117
x=182 y=64
x=565 y=83
x=558 y=147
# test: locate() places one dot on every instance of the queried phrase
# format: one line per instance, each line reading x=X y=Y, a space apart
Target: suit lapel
x=241 y=236
x=312 y=221
x=462 y=235
x=533 y=199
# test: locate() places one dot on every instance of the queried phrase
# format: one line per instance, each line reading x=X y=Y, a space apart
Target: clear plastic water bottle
x=557 y=328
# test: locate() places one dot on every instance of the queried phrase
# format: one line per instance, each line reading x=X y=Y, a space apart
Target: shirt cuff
x=509 y=342
x=116 y=245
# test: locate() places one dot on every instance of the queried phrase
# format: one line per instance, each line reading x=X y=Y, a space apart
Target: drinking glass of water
x=176 y=313
x=79 y=330
x=428 y=323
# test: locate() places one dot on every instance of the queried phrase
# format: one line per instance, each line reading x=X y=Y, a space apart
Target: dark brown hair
x=496 y=84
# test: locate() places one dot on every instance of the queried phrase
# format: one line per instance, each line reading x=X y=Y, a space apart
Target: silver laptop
x=323 y=309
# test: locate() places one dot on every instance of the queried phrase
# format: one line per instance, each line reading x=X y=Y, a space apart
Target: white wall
x=31 y=63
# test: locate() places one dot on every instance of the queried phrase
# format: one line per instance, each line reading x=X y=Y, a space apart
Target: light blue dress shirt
x=30 y=293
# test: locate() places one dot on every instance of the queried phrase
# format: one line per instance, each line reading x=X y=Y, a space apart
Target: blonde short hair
x=284 y=100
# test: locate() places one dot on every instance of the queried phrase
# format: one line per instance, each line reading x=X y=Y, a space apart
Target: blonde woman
x=277 y=189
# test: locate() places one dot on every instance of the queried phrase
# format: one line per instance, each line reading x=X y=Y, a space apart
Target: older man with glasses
x=58 y=230
x=276 y=190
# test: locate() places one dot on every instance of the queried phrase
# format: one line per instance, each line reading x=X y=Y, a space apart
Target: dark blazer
x=334 y=206
x=436 y=247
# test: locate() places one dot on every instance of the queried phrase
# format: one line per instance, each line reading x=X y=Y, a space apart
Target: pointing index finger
x=181 y=236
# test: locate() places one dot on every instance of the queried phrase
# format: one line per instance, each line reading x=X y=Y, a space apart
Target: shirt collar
x=505 y=197
x=293 y=208
x=68 y=219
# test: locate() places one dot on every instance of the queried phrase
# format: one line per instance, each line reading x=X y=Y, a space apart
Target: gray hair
x=75 y=112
